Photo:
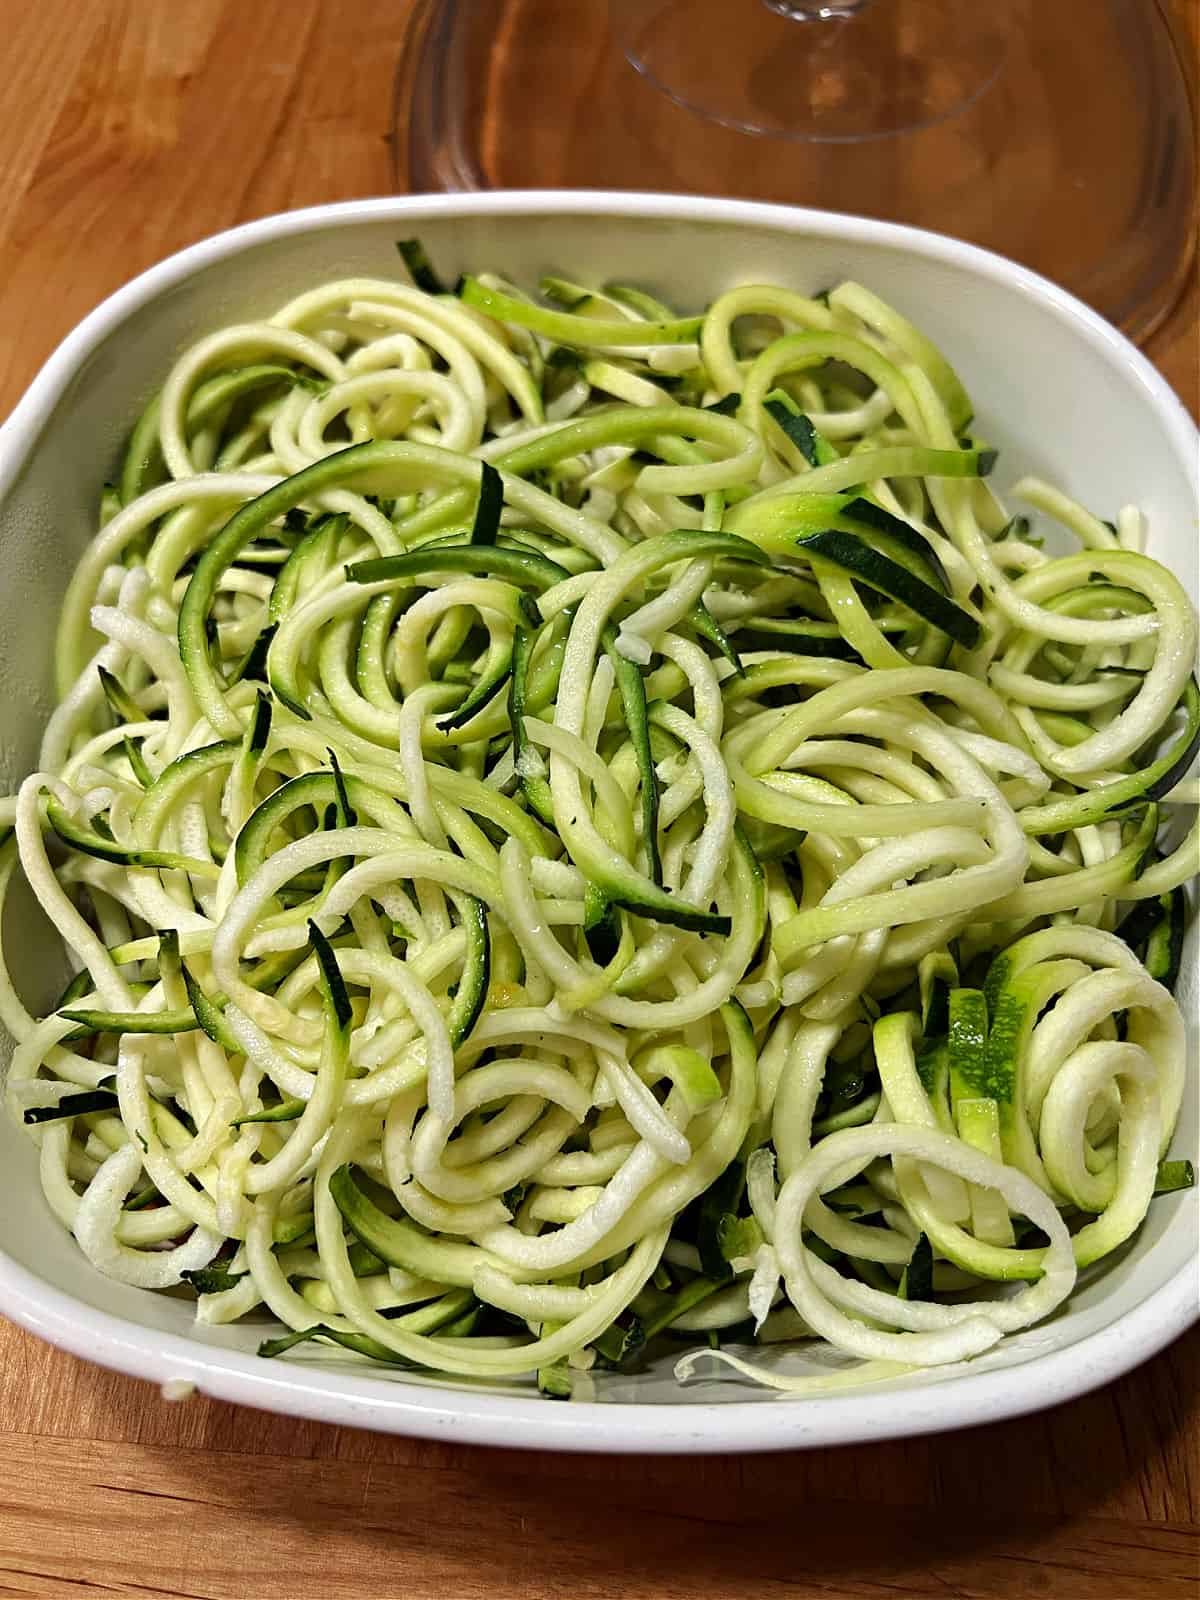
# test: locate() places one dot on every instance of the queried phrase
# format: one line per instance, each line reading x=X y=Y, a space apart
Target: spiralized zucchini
x=578 y=828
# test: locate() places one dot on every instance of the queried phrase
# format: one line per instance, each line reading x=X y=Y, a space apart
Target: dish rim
x=429 y=1409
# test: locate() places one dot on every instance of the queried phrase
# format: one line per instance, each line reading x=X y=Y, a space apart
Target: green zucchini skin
x=1155 y=931
x=472 y=991
x=535 y=790
x=491 y=504
x=574 y=330
x=420 y=268
x=95 y=844
x=566 y=792
x=1151 y=782
x=284 y=1111
x=1173 y=1176
x=209 y=1015
x=484 y=560
x=71 y=1105
x=889 y=577
x=163 y=1022
x=632 y=689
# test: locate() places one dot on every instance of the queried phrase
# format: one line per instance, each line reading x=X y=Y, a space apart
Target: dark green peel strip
x=889 y=577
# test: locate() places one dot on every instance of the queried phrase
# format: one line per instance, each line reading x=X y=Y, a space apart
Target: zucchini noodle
x=577 y=827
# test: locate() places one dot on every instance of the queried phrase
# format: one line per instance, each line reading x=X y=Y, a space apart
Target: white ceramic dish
x=1058 y=389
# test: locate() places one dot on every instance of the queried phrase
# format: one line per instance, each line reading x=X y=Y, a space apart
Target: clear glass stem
x=816 y=10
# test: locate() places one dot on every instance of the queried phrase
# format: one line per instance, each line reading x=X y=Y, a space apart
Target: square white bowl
x=1059 y=390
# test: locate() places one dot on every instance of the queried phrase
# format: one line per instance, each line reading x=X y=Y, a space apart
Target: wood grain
x=129 y=128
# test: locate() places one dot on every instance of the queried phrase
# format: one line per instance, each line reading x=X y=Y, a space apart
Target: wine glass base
x=1069 y=149
x=826 y=73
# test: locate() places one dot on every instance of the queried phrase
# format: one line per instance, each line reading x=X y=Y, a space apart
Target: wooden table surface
x=129 y=128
